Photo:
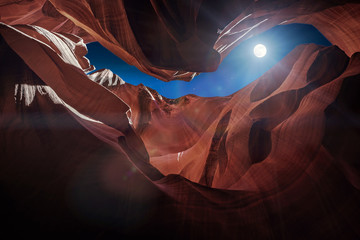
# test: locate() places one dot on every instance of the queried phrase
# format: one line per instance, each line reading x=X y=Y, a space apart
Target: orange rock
x=175 y=39
x=90 y=155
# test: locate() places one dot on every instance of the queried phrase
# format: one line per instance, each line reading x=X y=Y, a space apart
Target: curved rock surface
x=90 y=156
x=275 y=160
x=175 y=39
x=220 y=141
x=40 y=13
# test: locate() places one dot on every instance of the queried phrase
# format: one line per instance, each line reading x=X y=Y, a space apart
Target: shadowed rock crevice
x=49 y=10
x=214 y=159
x=259 y=141
x=342 y=129
x=138 y=155
x=222 y=154
x=325 y=68
x=145 y=111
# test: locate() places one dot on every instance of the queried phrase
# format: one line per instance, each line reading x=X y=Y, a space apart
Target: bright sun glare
x=260 y=50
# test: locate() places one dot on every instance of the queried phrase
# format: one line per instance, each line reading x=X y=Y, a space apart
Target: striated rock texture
x=235 y=141
x=275 y=160
x=90 y=156
x=62 y=143
x=40 y=13
x=175 y=39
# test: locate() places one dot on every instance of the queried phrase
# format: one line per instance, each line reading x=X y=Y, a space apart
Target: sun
x=260 y=50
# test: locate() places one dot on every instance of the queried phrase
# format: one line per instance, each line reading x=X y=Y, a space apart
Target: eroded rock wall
x=176 y=39
x=92 y=156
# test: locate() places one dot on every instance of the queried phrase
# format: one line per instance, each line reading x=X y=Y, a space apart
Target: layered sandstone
x=175 y=39
x=90 y=156
x=280 y=152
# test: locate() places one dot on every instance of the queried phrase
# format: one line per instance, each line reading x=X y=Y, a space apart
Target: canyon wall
x=88 y=155
x=176 y=39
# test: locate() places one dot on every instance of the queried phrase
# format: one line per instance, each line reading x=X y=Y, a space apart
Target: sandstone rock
x=175 y=39
x=90 y=156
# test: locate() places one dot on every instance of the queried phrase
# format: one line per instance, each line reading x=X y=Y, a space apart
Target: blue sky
x=237 y=70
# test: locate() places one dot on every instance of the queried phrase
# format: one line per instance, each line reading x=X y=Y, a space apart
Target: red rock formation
x=264 y=177
x=173 y=39
x=286 y=145
x=51 y=148
x=222 y=149
x=40 y=13
x=91 y=156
